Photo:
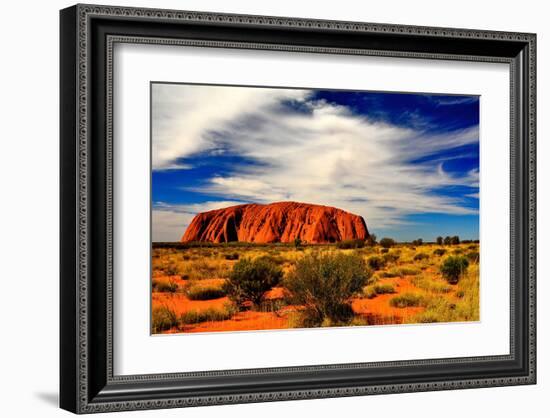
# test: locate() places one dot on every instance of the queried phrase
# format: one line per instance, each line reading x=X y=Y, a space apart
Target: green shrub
x=408 y=271
x=435 y=286
x=439 y=251
x=399 y=272
x=428 y=318
x=273 y=259
x=369 y=292
x=232 y=256
x=387 y=242
x=163 y=319
x=272 y=305
x=165 y=286
x=204 y=292
x=382 y=289
x=251 y=279
x=407 y=300
x=473 y=256
x=171 y=270
x=453 y=267
x=420 y=256
x=376 y=263
x=324 y=283
x=297 y=242
x=366 y=251
x=394 y=272
x=210 y=314
x=390 y=257
x=371 y=240
x=384 y=250
x=205 y=268
x=349 y=244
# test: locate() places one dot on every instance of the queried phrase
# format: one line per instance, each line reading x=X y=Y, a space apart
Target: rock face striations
x=276 y=222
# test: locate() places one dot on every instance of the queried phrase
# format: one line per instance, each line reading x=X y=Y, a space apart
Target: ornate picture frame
x=88 y=34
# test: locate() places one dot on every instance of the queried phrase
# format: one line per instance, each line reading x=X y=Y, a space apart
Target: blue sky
x=408 y=163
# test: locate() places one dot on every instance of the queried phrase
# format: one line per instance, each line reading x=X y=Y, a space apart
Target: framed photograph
x=263 y=208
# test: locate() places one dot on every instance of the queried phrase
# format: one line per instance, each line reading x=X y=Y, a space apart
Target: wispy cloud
x=458 y=100
x=175 y=166
x=185 y=115
x=322 y=153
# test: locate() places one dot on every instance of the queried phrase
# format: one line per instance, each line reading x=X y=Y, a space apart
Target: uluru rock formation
x=276 y=222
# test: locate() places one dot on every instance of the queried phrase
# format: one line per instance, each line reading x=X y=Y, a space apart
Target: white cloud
x=169 y=225
x=183 y=115
x=177 y=166
x=451 y=101
x=324 y=155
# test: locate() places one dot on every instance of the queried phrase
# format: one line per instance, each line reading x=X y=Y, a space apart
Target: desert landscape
x=281 y=208
x=295 y=265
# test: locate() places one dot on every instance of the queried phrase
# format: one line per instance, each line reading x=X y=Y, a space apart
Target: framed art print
x=238 y=246
x=262 y=208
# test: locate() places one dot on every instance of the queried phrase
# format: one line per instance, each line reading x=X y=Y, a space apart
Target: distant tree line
x=454 y=240
x=448 y=240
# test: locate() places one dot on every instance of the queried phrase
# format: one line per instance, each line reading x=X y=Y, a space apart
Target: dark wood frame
x=87 y=35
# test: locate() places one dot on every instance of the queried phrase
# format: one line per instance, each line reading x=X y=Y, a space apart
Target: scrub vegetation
x=201 y=287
